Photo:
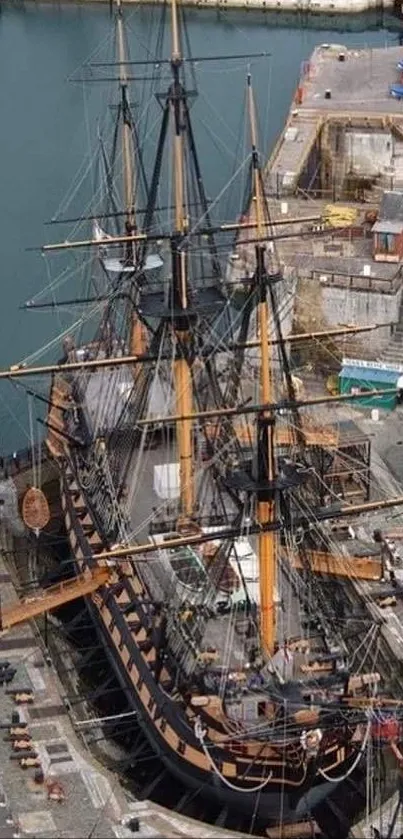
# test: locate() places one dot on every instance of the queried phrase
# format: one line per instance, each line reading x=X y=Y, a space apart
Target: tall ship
x=196 y=484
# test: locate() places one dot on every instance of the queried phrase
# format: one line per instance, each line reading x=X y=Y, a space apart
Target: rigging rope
x=356 y=761
x=200 y=734
x=32 y=441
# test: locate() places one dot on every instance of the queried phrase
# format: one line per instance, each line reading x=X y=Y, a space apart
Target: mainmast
x=266 y=420
x=179 y=301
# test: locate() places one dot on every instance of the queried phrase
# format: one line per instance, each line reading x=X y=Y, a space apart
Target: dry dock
x=76 y=797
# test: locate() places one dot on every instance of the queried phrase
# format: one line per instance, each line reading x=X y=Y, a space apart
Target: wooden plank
x=293 y=831
x=362 y=568
x=284 y=436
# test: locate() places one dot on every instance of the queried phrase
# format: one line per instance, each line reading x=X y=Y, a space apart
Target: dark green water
x=46 y=122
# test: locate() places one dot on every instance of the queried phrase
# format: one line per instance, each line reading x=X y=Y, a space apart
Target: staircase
x=393 y=352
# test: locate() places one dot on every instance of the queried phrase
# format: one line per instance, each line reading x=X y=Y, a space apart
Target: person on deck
x=399 y=388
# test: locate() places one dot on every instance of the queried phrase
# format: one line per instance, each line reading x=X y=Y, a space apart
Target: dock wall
x=363 y=308
x=313 y=7
x=324 y=302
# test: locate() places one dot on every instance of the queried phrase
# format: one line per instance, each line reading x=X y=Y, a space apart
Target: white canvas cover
x=166 y=481
x=116 y=266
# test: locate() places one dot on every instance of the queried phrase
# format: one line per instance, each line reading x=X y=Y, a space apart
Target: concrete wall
x=343 y=155
x=368 y=153
x=319 y=306
x=362 y=308
x=375 y=155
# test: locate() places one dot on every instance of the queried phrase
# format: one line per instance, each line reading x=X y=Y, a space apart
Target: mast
x=265 y=451
x=182 y=373
x=137 y=342
x=127 y=137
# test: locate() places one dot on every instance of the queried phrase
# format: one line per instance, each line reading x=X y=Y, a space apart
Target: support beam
x=149 y=789
x=77 y=623
x=103 y=689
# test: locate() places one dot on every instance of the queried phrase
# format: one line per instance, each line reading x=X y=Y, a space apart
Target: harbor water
x=49 y=124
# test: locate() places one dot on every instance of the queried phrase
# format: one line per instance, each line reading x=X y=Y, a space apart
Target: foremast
x=127 y=137
x=129 y=179
x=266 y=505
x=179 y=297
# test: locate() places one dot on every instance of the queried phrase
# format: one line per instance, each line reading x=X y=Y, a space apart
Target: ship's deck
x=225 y=633
x=151 y=494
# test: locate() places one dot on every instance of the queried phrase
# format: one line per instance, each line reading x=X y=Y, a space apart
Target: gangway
x=53 y=596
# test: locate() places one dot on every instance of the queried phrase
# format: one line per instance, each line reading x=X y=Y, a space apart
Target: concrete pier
x=312 y=7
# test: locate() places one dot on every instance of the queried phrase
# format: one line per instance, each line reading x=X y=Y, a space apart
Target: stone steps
x=393 y=352
x=392 y=356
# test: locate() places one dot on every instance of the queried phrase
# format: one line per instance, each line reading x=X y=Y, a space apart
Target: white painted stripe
x=113 y=805
x=38 y=682
x=98 y=787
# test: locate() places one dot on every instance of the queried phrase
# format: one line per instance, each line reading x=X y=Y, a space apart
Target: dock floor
x=384 y=819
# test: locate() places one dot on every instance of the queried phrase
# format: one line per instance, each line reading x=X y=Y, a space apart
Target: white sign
x=372 y=365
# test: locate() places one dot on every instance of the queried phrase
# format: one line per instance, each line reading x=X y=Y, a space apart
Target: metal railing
x=357 y=282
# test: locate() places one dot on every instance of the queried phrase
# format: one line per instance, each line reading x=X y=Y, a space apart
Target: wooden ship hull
x=169 y=729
